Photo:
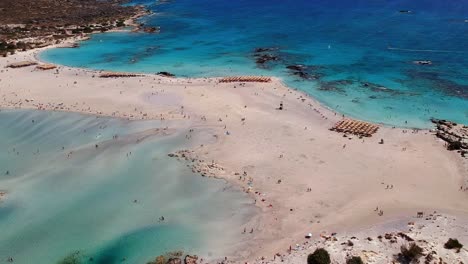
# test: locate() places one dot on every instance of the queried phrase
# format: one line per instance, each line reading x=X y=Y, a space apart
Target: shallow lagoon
x=57 y=205
x=359 y=54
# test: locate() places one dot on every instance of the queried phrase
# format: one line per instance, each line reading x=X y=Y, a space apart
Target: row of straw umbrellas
x=245 y=79
x=355 y=127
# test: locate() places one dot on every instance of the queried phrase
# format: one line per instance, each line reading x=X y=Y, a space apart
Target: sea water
x=359 y=54
x=93 y=190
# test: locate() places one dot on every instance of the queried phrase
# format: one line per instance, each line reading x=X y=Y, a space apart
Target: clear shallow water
x=345 y=45
x=58 y=205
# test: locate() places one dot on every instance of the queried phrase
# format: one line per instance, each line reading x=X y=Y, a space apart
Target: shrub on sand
x=453 y=244
x=320 y=256
x=354 y=260
x=410 y=253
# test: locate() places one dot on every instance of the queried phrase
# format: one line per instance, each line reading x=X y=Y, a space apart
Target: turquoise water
x=83 y=205
x=359 y=54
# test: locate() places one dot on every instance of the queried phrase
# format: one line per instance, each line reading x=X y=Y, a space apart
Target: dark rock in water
x=303 y=72
x=297 y=67
x=265 y=55
x=330 y=88
x=436 y=81
x=423 y=62
x=380 y=89
x=166 y=74
x=259 y=50
x=151 y=29
x=264 y=58
x=191 y=259
x=335 y=86
x=343 y=82
x=174 y=261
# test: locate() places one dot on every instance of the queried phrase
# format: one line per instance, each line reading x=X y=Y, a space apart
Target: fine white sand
x=283 y=153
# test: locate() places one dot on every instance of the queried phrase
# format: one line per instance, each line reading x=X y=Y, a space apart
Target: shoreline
x=135 y=29
x=173 y=94
x=330 y=111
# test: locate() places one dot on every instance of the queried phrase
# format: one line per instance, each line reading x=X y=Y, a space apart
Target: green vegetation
x=354 y=260
x=320 y=256
x=87 y=30
x=120 y=23
x=453 y=244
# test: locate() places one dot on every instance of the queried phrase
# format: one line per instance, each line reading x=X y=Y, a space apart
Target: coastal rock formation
x=456 y=135
x=151 y=29
x=166 y=74
x=191 y=259
x=385 y=244
x=174 y=261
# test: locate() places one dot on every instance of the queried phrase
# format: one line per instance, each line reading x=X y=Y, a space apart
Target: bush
x=87 y=30
x=411 y=253
x=320 y=256
x=453 y=244
x=354 y=260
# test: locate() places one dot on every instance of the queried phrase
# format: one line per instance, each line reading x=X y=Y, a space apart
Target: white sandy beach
x=283 y=152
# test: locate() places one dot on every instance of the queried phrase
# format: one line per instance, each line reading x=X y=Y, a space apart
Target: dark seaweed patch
x=435 y=81
x=337 y=86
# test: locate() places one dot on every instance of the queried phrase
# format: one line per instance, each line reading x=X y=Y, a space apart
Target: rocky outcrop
x=174 y=261
x=191 y=259
x=166 y=74
x=151 y=29
x=456 y=135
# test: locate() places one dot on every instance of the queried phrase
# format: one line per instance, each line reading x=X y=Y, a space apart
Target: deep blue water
x=359 y=54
